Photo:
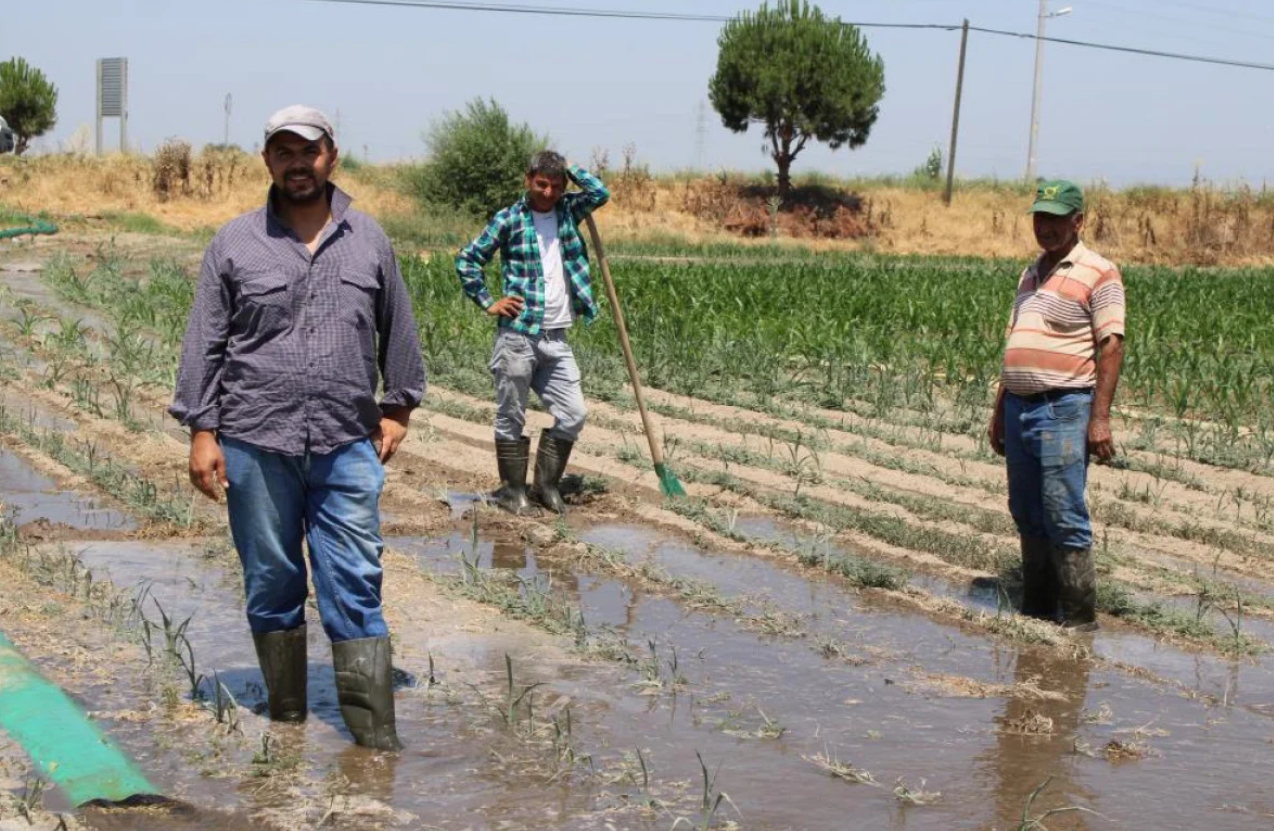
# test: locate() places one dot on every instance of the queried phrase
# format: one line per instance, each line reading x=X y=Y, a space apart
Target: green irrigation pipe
x=66 y=747
x=35 y=226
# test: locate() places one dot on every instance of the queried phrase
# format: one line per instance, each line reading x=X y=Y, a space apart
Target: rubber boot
x=512 y=458
x=282 y=656
x=365 y=691
x=1039 y=580
x=1077 y=578
x=550 y=463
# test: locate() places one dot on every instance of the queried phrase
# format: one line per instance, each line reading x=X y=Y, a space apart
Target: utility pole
x=955 y=116
x=229 y=107
x=1044 y=15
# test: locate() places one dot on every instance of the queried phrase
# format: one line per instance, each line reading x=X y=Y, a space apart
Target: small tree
x=27 y=101
x=477 y=159
x=800 y=74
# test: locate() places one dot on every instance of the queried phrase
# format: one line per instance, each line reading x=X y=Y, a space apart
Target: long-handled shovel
x=668 y=482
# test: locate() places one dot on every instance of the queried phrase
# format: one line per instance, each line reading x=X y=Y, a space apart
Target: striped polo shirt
x=1058 y=322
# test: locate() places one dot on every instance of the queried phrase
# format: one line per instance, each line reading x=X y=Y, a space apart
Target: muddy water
x=33 y=497
x=874 y=711
x=28 y=285
x=446 y=775
x=1205 y=674
x=981 y=752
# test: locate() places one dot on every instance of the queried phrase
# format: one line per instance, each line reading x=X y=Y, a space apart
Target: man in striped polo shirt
x=1061 y=366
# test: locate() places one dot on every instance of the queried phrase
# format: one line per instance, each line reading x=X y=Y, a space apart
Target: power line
x=1132 y=50
x=1142 y=14
x=560 y=11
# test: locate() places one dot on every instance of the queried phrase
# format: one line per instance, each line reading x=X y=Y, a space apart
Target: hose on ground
x=33 y=227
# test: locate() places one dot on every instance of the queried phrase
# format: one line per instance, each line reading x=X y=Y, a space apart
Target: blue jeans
x=1046 y=447
x=331 y=499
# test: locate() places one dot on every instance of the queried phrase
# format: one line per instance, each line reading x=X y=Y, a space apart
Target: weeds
x=1036 y=823
x=710 y=802
x=175 y=508
x=843 y=771
x=905 y=794
x=31 y=798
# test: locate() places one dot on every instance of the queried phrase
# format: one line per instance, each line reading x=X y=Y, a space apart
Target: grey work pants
x=546 y=364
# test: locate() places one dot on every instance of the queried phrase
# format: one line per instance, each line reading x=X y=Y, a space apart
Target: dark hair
x=547 y=163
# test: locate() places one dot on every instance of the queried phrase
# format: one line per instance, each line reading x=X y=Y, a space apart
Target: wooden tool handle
x=656 y=452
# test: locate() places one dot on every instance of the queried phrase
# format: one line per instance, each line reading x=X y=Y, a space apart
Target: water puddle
x=1246 y=583
x=899 y=696
x=35 y=498
x=29 y=285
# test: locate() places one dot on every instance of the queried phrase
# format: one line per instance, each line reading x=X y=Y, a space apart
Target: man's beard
x=304 y=198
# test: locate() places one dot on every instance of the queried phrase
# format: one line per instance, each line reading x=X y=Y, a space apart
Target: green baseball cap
x=1058 y=197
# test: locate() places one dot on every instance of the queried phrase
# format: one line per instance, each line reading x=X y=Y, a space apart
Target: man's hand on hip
x=510 y=306
x=207 y=465
x=1101 y=441
x=390 y=434
x=995 y=433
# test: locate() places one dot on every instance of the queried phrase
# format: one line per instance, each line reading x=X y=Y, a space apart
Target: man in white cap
x=299 y=311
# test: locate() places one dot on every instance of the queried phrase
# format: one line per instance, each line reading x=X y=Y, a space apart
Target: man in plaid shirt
x=546 y=286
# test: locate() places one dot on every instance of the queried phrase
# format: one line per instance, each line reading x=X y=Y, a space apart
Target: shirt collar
x=1076 y=254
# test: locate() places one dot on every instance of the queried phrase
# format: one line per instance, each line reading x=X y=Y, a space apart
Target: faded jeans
x=1046 y=447
x=546 y=364
x=331 y=499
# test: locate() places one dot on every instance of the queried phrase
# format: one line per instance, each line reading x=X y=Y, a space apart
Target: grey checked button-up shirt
x=283 y=348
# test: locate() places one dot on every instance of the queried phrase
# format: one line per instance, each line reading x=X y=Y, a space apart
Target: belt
x=1052 y=395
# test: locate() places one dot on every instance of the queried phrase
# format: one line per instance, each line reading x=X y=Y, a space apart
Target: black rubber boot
x=283 y=661
x=512 y=458
x=550 y=463
x=365 y=691
x=1077 y=578
x=1039 y=580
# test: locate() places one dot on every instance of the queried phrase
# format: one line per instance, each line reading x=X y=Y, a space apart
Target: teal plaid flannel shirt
x=512 y=233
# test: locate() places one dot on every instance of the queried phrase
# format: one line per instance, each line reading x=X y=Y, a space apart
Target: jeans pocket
x=513 y=355
x=1069 y=408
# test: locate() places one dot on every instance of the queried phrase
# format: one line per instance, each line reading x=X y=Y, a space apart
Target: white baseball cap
x=307 y=122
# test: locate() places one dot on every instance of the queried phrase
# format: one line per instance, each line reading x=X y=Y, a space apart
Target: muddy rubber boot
x=1077 y=578
x=282 y=656
x=365 y=691
x=550 y=463
x=512 y=458
x=1039 y=580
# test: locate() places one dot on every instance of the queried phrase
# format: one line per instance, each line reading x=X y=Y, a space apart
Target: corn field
x=875 y=335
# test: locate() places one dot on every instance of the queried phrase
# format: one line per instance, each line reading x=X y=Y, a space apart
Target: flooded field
x=782 y=650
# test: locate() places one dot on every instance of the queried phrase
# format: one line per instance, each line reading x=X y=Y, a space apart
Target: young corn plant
x=710 y=801
x=1036 y=823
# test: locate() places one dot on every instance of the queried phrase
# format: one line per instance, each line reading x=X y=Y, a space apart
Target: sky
x=385 y=74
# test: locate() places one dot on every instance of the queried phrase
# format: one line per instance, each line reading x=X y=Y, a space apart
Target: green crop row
x=894 y=332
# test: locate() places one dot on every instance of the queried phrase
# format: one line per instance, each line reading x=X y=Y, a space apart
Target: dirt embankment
x=1202 y=225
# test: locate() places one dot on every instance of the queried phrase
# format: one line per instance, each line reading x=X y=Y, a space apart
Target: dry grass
x=1203 y=224
x=217 y=187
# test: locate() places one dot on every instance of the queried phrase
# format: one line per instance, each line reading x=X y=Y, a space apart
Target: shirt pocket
x=265 y=303
x=356 y=297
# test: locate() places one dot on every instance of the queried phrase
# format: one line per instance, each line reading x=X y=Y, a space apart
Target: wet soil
x=811 y=700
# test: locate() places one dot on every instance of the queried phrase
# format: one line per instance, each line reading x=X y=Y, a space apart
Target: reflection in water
x=1036 y=740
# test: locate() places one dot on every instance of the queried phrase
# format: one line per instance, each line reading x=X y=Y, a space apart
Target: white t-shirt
x=557 y=296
